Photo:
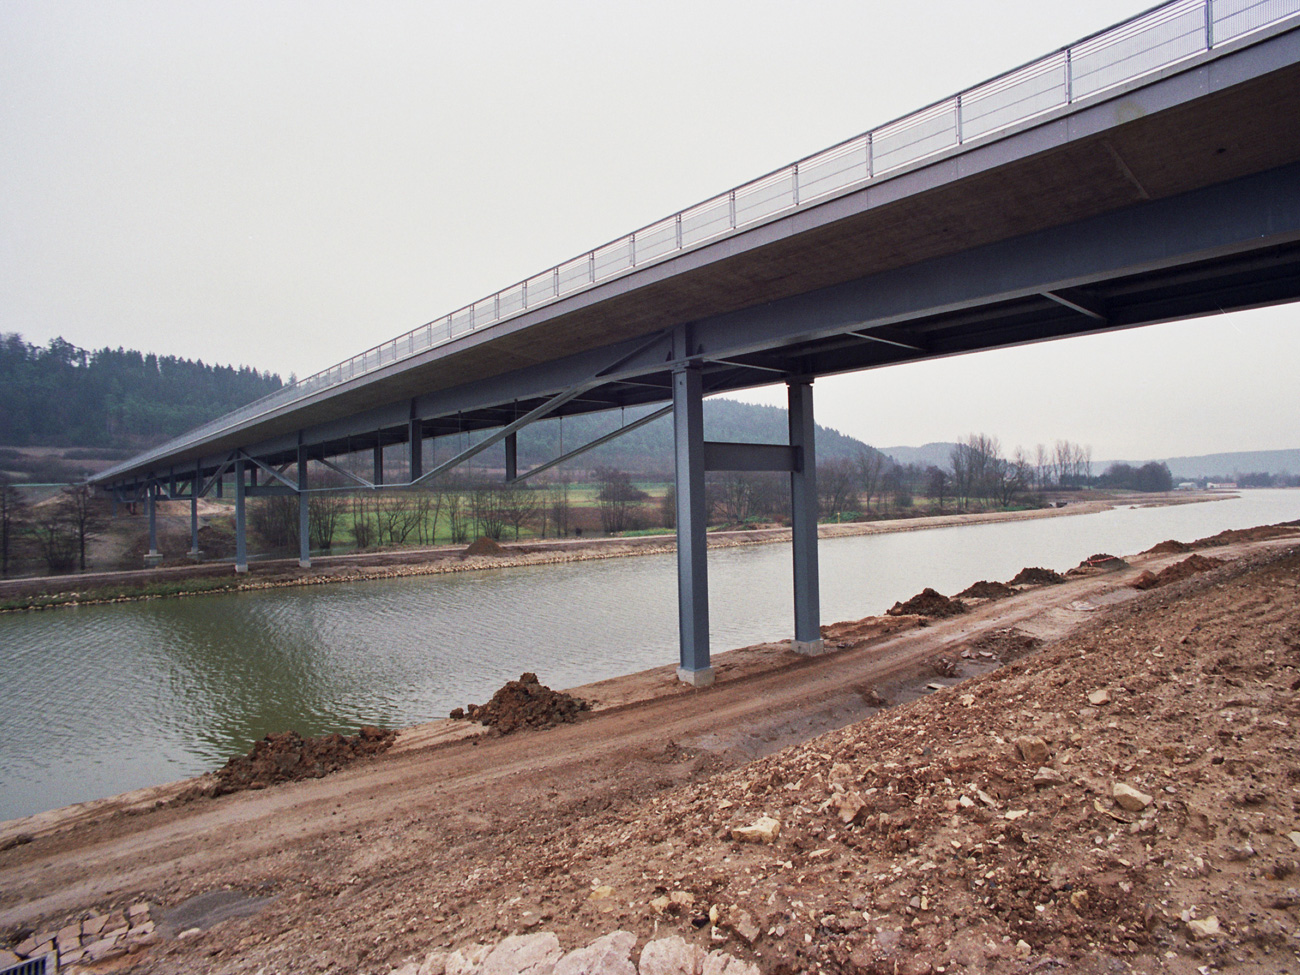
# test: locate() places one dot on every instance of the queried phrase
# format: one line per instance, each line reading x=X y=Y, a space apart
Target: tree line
x=62 y=394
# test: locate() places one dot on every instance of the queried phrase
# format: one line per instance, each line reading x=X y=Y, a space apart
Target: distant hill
x=650 y=449
x=1223 y=466
x=67 y=396
x=937 y=454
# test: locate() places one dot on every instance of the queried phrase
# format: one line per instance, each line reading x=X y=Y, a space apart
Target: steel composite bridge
x=1147 y=173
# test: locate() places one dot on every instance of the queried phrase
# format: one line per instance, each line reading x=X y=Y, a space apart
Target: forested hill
x=650 y=448
x=62 y=395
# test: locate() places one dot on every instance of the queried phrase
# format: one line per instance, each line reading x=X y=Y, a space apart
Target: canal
x=96 y=700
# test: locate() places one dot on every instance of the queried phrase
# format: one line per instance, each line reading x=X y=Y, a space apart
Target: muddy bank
x=931 y=832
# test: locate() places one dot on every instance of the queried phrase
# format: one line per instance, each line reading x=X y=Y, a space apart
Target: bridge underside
x=1176 y=199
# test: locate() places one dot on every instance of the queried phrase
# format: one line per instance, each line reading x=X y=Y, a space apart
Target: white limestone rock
x=610 y=955
x=671 y=956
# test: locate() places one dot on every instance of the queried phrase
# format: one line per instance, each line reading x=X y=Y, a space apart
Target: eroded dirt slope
x=976 y=829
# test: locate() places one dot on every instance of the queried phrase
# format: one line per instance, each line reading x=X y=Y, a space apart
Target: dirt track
x=449 y=839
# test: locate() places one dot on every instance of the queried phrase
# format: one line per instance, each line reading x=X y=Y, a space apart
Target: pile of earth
x=288 y=756
x=1169 y=546
x=1188 y=567
x=1286 y=529
x=524 y=703
x=1004 y=645
x=1094 y=564
x=986 y=590
x=927 y=603
x=1037 y=576
x=483 y=546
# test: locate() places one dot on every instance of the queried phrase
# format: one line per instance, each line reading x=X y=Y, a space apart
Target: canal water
x=95 y=700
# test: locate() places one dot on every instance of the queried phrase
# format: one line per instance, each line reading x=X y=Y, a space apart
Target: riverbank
x=975 y=828
x=21 y=595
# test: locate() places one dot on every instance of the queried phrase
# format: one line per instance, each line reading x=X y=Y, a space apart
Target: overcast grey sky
x=284 y=184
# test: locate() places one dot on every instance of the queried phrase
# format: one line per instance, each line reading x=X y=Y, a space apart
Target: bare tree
x=86 y=515
x=618 y=499
x=733 y=495
x=871 y=466
x=55 y=537
x=323 y=514
x=559 y=501
x=836 y=485
x=521 y=503
x=13 y=510
x=937 y=483
x=488 y=507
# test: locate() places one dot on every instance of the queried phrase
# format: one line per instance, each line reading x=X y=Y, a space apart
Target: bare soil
x=971 y=826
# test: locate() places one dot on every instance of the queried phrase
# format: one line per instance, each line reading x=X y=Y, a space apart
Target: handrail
x=1132 y=49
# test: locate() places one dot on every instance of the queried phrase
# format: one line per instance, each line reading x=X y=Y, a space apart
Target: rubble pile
x=288 y=757
x=524 y=703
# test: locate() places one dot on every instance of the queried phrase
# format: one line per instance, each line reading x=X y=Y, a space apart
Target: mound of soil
x=524 y=703
x=1232 y=535
x=1188 y=567
x=1094 y=564
x=1168 y=547
x=288 y=757
x=986 y=590
x=927 y=603
x=483 y=546
x=1005 y=645
x=1037 y=576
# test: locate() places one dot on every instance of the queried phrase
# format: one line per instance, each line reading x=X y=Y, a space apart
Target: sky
x=285 y=184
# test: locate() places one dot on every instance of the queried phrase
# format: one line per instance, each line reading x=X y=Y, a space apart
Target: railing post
x=631 y=249
x=679 y=231
x=1209 y=25
x=731 y=203
x=959 y=127
x=1069 y=75
x=871 y=155
x=794 y=182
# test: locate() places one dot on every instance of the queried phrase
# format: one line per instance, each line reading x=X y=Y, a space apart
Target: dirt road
x=449 y=839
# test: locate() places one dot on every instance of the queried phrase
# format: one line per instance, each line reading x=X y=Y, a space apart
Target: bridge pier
x=194 y=510
x=241 y=536
x=304 y=511
x=692 y=541
x=803 y=519
x=151 y=500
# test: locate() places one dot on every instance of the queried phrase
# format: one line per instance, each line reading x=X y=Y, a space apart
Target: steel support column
x=379 y=463
x=151 y=499
x=803 y=519
x=692 y=541
x=241 y=537
x=194 y=510
x=512 y=457
x=304 y=512
x=415 y=448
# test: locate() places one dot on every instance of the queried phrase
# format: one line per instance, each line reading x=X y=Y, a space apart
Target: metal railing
x=1150 y=42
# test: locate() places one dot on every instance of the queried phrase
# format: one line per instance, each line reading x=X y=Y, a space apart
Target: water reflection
x=99 y=699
